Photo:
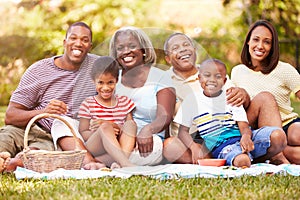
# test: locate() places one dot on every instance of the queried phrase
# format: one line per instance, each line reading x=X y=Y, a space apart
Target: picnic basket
x=47 y=161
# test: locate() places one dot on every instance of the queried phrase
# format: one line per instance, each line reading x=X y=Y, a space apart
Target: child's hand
x=56 y=107
x=95 y=123
x=197 y=152
x=246 y=143
x=117 y=129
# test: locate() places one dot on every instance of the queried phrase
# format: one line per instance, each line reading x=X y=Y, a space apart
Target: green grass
x=296 y=106
x=2 y=113
x=139 y=187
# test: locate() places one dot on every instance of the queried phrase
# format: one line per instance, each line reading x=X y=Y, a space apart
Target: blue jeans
x=261 y=140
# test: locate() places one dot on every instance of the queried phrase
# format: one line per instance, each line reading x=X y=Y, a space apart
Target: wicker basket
x=47 y=161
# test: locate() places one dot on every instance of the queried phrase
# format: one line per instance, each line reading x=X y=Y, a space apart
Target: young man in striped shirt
x=55 y=85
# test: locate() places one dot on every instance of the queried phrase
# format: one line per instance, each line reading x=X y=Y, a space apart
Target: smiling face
x=128 y=49
x=260 y=44
x=77 y=44
x=212 y=77
x=181 y=54
x=105 y=87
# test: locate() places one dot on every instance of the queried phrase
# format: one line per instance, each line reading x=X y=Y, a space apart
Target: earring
x=144 y=55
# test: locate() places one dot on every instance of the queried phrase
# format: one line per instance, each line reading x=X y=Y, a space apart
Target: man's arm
x=198 y=151
x=184 y=136
x=19 y=115
x=237 y=96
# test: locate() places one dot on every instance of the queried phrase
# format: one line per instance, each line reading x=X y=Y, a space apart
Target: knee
x=265 y=97
x=278 y=139
x=168 y=148
x=105 y=125
x=293 y=134
x=169 y=145
x=168 y=142
x=242 y=160
x=130 y=128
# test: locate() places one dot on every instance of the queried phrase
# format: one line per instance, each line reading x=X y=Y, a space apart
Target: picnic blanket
x=164 y=172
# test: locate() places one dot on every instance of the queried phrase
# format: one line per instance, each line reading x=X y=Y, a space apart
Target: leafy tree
x=34 y=29
x=284 y=14
x=42 y=24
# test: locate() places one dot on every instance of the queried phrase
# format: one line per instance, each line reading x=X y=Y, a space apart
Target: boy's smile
x=212 y=77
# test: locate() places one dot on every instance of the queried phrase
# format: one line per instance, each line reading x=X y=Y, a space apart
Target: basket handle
x=48 y=115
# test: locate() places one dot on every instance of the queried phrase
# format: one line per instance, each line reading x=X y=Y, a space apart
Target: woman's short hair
x=272 y=59
x=143 y=39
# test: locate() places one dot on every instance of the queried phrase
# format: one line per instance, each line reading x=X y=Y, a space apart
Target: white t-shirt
x=215 y=120
x=184 y=88
x=144 y=97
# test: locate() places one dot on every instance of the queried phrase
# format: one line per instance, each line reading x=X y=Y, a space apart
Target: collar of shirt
x=192 y=78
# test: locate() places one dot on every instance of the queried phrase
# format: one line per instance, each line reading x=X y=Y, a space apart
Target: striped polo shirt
x=44 y=81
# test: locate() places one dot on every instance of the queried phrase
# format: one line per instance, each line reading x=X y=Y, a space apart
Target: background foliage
x=35 y=29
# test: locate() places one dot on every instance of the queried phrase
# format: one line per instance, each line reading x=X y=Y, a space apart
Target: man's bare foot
x=115 y=165
x=4 y=160
x=279 y=159
x=94 y=165
x=13 y=164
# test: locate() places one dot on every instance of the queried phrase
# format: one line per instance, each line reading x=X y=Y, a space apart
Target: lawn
x=139 y=187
